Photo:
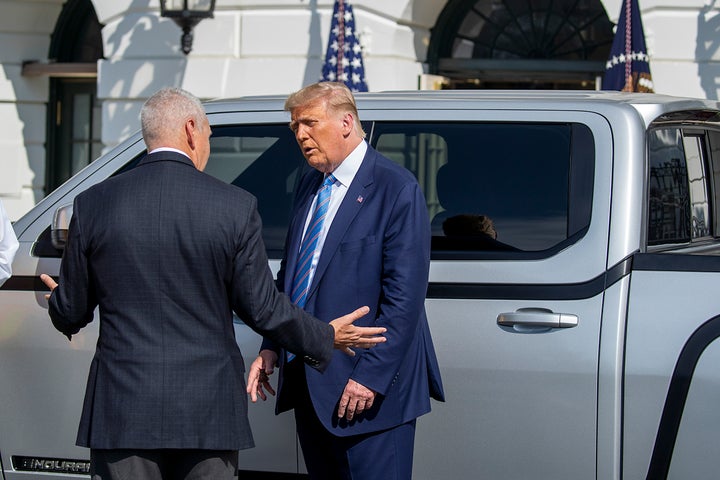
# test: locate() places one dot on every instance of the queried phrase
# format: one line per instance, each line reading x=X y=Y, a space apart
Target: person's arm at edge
x=8 y=245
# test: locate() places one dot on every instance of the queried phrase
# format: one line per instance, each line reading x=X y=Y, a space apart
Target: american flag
x=343 y=60
x=628 y=68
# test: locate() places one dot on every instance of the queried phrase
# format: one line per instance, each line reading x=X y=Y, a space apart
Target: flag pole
x=628 y=48
x=340 y=37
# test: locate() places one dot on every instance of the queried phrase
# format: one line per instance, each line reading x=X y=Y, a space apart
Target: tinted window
x=669 y=203
x=678 y=189
x=714 y=149
x=510 y=188
x=266 y=161
x=698 y=184
x=492 y=189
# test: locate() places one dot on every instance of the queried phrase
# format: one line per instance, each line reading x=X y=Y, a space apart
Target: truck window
x=678 y=188
x=713 y=137
x=266 y=161
x=497 y=189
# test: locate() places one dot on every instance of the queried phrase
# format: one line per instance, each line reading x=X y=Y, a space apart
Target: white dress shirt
x=344 y=175
x=8 y=245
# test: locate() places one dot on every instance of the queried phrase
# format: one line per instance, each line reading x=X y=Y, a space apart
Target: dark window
x=266 y=161
x=669 y=205
x=694 y=145
x=497 y=188
x=262 y=159
x=713 y=137
x=531 y=182
x=679 y=195
x=74 y=114
x=75 y=129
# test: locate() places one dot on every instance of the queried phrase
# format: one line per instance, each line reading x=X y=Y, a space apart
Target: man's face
x=321 y=134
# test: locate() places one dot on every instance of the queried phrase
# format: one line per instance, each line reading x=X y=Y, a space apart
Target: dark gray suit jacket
x=167 y=253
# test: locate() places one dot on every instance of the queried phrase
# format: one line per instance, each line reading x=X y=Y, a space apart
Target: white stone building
x=74 y=73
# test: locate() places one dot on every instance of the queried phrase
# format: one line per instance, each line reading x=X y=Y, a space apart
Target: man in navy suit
x=357 y=419
x=168 y=253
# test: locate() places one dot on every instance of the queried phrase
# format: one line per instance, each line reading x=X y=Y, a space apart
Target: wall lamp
x=186 y=14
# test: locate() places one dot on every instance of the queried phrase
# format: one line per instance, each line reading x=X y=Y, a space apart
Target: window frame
x=706 y=165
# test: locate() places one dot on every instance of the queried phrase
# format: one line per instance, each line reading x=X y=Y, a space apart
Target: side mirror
x=60 y=224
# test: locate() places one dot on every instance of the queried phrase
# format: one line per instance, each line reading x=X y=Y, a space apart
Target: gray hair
x=337 y=97
x=164 y=113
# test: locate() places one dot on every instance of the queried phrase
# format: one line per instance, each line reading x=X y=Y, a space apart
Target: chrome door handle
x=537 y=317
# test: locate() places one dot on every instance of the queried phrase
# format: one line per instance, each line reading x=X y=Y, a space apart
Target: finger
x=269 y=388
x=48 y=281
x=350 y=412
x=369 y=342
x=371 y=332
x=252 y=381
x=344 y=400
x=348 y=351
x=351 y=317
x=254 y=378
x=252 y=390
x=261 y=393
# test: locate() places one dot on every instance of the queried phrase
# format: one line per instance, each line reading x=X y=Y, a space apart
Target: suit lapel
x=355 y=198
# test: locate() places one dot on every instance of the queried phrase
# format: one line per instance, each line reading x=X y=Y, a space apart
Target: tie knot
x=329 y=180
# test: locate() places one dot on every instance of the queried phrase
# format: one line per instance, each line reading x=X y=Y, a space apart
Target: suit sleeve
x=268 y=344
x=256 y=300
x=406 y=265
x=72 y=303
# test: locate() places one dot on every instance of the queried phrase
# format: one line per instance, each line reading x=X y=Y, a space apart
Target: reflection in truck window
x=533 y=180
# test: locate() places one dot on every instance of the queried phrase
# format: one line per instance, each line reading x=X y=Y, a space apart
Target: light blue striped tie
x=301 y=282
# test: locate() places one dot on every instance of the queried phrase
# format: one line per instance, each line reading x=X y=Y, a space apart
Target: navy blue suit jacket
x=167 y=253
x=376 y=253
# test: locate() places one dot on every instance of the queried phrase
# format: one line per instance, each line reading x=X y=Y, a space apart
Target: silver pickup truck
x=577 y=337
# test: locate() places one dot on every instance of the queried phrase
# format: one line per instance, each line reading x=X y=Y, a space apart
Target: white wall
x=25 y=28
x=249 y=48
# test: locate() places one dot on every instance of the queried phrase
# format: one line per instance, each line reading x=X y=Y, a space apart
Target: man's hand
x=258 y=380
x=348 y=335
x=51 y=284
x=355 y=399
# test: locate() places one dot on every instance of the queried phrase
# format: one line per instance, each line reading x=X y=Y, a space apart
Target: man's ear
x=348 y=124
x=190 y=128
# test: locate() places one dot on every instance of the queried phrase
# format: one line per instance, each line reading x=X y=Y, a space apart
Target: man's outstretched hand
x=348 y=335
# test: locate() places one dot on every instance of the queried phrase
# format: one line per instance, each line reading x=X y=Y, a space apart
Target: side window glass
x=497 y=189
x=266 y=161
x=263 y=159
x=698 y=184
x=423 y=153
x=713 y=137
x=669 y=217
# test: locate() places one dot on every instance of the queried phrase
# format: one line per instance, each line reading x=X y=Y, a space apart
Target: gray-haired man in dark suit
x=168 y=253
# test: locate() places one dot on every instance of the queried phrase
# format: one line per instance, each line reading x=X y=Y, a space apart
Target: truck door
x=516 y=288
x=43 y=375
x=672 y=383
